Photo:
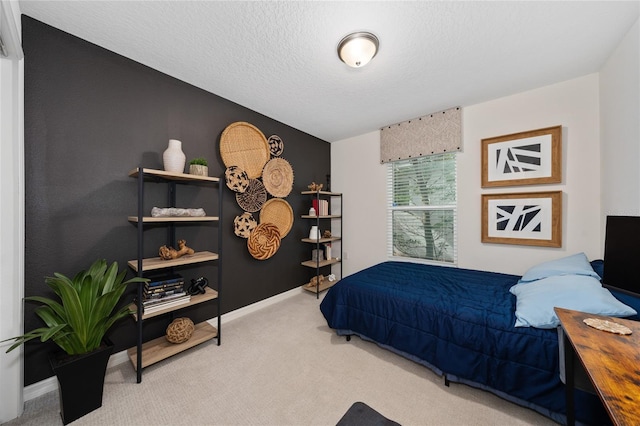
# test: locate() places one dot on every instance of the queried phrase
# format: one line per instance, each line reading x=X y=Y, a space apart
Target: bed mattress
x=458 y=322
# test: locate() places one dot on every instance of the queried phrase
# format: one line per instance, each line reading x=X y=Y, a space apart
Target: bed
x=459 y=323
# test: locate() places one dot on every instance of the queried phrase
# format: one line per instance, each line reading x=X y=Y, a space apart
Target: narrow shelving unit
x=147 y=353
x=319 y=219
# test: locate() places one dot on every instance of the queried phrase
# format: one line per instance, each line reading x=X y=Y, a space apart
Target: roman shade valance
x=434 y=133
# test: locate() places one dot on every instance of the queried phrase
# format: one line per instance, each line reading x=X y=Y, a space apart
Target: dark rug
x=360 y=414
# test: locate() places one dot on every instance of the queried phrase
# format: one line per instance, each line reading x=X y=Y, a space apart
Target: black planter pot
x=80 y=381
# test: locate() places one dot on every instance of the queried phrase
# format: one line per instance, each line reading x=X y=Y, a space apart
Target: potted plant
x=198 y=166
x=78 y=323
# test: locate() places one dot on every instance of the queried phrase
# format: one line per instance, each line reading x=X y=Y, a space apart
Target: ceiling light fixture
x=357 y=49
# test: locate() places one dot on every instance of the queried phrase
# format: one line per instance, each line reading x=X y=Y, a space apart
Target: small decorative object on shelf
x=326 y=233
x=317 y=280
x=177 y=212
x=312 y=211
x=315 y=186
x=180 y=330
x=168 y=253
x=317 y=255
x=327 y=251
x=314 y=234
x=198 y=166
x=198 y=286
x=173 y=158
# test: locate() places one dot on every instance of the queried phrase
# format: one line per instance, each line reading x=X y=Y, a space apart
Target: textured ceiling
x=279 y=58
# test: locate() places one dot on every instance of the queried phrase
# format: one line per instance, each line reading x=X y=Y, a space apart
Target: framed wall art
x=526 y=158
x=527 y=218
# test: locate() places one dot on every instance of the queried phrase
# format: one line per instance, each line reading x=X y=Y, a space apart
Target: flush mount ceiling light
x=357 y=49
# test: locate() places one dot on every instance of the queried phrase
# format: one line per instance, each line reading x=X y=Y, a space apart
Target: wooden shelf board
x=158 y=349
x=330 y=216
x=151 y=219
x=153 y=263
x=209 y=294
x=174 y=176
x=313 y=263
x=321 y=240
x=322 y=287
x=332 y=194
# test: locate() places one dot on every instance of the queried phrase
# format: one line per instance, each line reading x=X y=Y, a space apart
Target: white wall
x=11 y=220
x=357 y=172
x=620 y=128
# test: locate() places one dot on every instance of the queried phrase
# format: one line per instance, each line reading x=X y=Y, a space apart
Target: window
x=422 y=209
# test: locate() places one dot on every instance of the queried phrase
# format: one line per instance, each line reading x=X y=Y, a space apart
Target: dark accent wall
x=91 y=116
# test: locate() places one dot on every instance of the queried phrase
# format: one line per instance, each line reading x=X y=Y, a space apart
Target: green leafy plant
x=85 y=312
x=199 y=160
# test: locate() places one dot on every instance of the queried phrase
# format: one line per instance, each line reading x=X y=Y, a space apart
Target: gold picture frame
x=525 y=158
x=525 y=218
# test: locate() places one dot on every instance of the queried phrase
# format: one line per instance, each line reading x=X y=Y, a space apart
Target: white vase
x=173 y=157
x=314 y=234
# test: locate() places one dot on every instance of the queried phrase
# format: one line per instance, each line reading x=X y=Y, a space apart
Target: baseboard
x=51 y=384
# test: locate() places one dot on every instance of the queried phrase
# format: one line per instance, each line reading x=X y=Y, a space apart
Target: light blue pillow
x=536 y=300
x=578 y=264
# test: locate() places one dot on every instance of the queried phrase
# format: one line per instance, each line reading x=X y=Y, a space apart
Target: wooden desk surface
x=612 y=362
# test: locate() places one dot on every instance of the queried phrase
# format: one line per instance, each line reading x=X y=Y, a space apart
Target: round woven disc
x=236 y=179
x=264 y=241
x=244 y=145
x=244 y=224
x=253 y=198
x=278 y=212
x=277 y=177
x=276 y=146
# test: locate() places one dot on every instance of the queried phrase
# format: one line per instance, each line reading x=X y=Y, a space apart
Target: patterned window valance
x=432 y=134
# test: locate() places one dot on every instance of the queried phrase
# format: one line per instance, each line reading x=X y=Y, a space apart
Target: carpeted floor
x=282 y=365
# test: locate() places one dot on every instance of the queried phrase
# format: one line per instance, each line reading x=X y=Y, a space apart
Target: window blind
x=422 y=209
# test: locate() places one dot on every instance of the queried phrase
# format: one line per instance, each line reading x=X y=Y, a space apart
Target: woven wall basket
x=244 y=224
x=253 y=198
x=277 y=177
x=278 y=212
x=245 y=146
x=264 y=241
x=236 y=179
x=276 y=146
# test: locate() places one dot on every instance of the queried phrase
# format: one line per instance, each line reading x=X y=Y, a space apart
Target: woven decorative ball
x=264 y=241
x=180 y=330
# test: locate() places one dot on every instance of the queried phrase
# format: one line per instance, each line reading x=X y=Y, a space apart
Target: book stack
x=164 y=292
x=321 y=207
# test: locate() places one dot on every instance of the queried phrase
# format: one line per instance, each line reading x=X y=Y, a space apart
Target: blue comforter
x=460 y=323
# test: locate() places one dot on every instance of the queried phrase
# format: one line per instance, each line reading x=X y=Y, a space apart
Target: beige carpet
x=282 y=365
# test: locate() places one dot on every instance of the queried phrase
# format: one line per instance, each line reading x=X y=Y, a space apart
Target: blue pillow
x=536 y=300
x=578 y=264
